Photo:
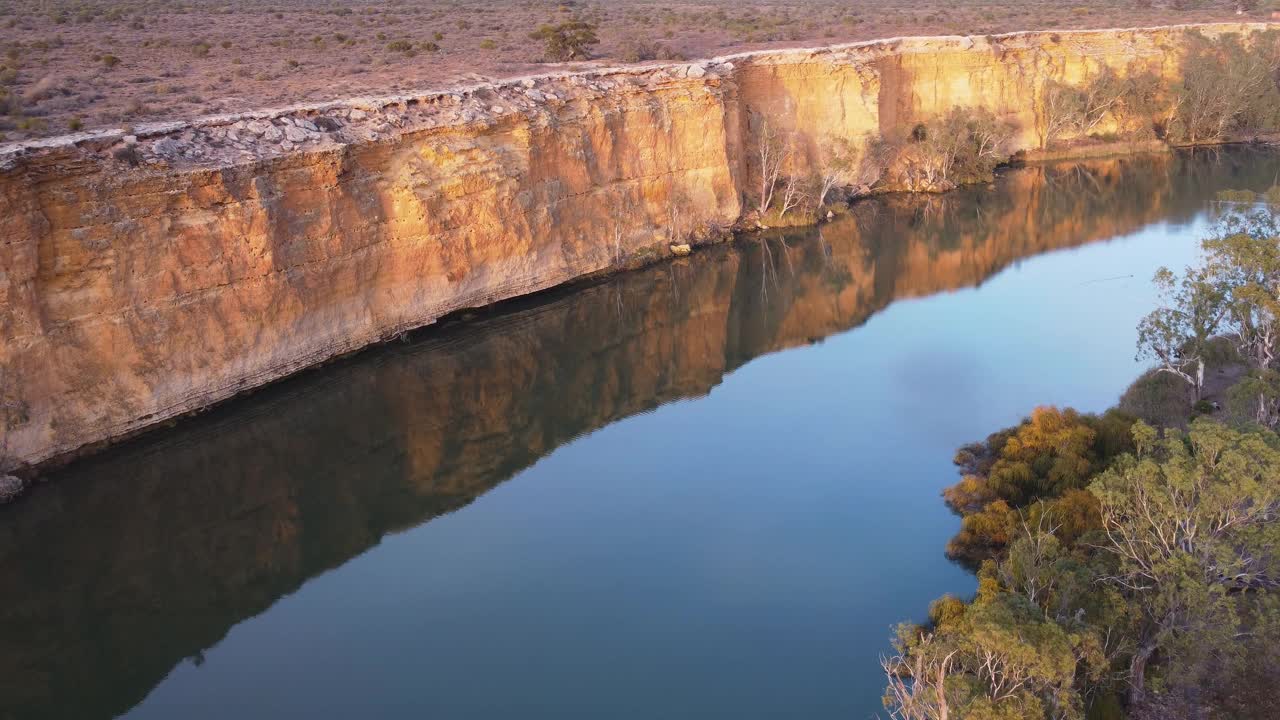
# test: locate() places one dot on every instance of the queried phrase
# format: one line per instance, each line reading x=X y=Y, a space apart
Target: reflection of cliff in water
x=131 y=561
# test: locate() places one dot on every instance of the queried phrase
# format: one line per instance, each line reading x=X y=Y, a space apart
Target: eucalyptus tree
x=1235 y=294
x=1243 y=261
x=1191 y=520
x=1177 y=334
x=999 y=657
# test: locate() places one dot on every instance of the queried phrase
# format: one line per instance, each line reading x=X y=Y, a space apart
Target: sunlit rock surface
x=151 y=272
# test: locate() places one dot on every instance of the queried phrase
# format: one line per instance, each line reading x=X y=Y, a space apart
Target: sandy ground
x=95 y=63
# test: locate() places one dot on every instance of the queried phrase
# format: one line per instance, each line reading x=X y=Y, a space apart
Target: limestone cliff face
x=147 y=275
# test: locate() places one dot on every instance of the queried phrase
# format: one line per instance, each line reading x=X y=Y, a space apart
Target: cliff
x=151 y=272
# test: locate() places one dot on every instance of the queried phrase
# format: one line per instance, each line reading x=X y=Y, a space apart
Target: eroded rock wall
x=151 y=272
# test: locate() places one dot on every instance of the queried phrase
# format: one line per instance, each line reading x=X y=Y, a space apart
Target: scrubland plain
x=67 y=66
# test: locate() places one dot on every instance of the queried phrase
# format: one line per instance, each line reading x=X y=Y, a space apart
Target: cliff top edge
x=252 y=135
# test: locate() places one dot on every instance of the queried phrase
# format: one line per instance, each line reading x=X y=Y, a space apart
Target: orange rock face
x=150 y=274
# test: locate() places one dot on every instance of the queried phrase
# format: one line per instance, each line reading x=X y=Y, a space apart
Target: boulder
x=10 y=488
x=167 y=147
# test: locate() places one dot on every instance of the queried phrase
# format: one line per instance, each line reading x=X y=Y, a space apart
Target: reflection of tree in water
x=129 y=562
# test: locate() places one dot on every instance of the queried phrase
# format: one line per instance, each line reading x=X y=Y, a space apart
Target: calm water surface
x=704 y=489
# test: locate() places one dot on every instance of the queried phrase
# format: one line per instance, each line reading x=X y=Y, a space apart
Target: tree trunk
x=1138 y=673
x=944 y=712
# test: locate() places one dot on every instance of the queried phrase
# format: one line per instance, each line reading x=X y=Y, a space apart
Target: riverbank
x=155 y=270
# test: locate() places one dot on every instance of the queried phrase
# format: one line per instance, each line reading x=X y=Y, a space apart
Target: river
x=707 y=488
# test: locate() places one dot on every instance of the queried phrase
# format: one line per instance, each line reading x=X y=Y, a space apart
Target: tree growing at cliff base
x=963 y=146
x=1227 y=87
x=1127 y=104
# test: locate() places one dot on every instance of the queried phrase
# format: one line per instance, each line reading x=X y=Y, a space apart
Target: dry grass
x=71 y=65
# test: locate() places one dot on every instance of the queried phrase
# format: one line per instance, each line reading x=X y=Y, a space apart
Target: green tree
x=569 y=40
x=1177 y=334
x=998 y=659
x=1190 y=519
x=1243 y=261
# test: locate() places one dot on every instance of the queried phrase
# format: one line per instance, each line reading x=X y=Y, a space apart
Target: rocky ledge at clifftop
x=149 y=272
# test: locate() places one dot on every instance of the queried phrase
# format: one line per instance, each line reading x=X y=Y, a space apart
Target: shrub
x=1237 y=196
x=109 y=61
x=983 y=533
x=488 y=44
x=1036 y=470
x=8 y=103
x=975 y=140
x=1158 y=398
x=1047 y=454
x=965 y=145
x=32 y=125
x=568 y=40
x=637 y=50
